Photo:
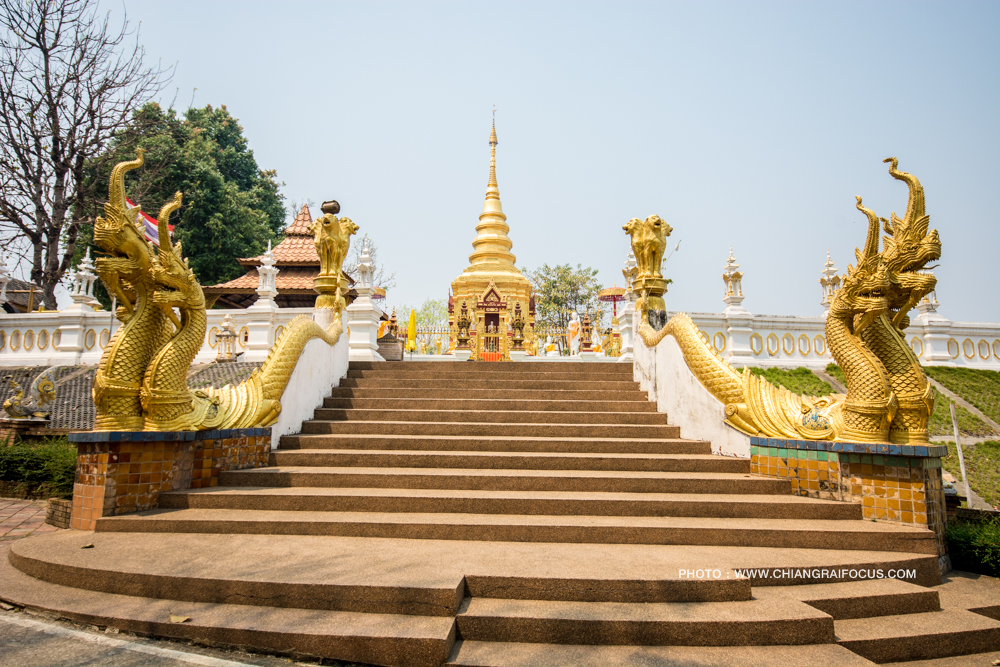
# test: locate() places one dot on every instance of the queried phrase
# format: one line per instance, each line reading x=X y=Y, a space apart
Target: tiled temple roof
x=297 y=248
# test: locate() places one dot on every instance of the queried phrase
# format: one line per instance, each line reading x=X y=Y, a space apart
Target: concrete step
x=419 y=372
x=509 y=460
x=506 y=480
x=388 y=639
x=511 y=502
x=485 y=383
x=491 y=416
x=490 y=368
x=420 y=577
x=491 y=405
x=925 y=636
x=710 y=531
x=860 y=599
x=779 y=621
x=492 y=392
x=493 y=430
x=468 y=653
x=489 y=443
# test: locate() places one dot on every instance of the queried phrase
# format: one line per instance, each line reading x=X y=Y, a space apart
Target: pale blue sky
x=751 y=124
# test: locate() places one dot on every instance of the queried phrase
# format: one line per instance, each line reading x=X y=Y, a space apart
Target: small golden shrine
x=492 y=288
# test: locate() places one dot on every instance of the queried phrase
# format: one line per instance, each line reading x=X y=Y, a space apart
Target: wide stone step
x=425 y=382
x=509 y=460
x=494 y=430
x=746 y=623
x=419 y=372
x=388 y=639
x=506 y=480
x=511 y=502
x=926 y=636
x=492 y=369
x=505 y=406
x=492 y=392
x=771 y=533
x=492 y=416
x=490 y=443
x=468 y=653
x=421 y=577
x=860 y=599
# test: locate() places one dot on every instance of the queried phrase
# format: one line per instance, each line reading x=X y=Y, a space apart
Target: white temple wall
x=665 y=376
x=317 y=370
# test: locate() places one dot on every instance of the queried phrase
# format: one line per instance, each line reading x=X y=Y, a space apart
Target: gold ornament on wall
x=888 y=397
x=649 y=239
x=141 y=381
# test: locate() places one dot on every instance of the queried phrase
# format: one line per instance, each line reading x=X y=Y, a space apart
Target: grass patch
x=838 y=375
x=982 y=462
x=975 y=546
x=979 y=387
x=968 y=424
x=39 y=469
x=800 y=380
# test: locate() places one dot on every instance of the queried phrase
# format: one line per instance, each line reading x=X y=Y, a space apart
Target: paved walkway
x=21 y=518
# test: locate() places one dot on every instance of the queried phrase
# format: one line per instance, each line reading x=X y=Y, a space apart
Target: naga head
x=909 y=247
x=864 y=291
x=176 y=285
x=121 y=232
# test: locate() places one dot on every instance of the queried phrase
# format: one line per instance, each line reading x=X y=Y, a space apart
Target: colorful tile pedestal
x=119 y=472
x=900 y=483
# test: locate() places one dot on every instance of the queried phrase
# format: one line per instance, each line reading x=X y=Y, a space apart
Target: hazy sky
x=744 y=124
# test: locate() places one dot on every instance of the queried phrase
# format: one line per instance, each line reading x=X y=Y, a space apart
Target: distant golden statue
x=326 y=233
x=649 y=238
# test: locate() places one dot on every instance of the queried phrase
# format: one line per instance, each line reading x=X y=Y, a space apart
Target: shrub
x=975 y=546
x=40 y=468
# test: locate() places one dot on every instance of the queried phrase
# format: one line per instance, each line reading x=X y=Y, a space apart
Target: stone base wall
x=125 y=471
x=889 y=487
x=59 y=512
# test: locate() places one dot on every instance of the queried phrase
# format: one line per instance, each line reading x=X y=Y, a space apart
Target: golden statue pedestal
x=651 y=291
x=327 y=288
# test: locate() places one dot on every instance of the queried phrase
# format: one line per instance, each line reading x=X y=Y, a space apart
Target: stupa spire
x=492 y=245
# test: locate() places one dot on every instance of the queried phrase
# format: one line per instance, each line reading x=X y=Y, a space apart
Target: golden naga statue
x=888 y=397
x=141 y=382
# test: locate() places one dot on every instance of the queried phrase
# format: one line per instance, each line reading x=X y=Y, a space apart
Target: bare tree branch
x=69 y=80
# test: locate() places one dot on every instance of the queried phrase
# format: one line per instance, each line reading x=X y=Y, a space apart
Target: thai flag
x=152 y=228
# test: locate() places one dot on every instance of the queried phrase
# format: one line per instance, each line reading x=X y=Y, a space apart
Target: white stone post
x=4 y=279
x=935 y=331
x=363 y=315
x=261 y=327
x=739 y=321
x=830 y=283
x=73 y=326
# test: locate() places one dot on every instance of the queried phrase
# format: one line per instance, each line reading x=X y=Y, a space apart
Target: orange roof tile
x=297 y=248
x=292 y=278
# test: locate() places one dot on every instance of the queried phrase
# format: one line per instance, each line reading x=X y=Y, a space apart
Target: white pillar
x=363 y=315
x=626 y=322
x=935 y=332
x=260 y=329
x=739 y=321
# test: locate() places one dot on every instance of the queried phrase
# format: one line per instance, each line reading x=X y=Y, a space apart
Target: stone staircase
x=527 y=514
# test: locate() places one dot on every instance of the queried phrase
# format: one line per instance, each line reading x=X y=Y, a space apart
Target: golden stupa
x=491 y=287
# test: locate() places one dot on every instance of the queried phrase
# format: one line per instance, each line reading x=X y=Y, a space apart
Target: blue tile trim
x=857 y=448
x=164 y=436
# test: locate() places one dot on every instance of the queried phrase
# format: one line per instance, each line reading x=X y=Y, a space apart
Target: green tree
x=560 y=290
x=231 y=208
x=433 y=313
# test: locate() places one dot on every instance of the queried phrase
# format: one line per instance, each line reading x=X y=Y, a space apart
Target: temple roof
x=297 y=248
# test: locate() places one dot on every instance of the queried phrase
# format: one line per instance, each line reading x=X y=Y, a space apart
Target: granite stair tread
x=491 y=403
x=491 y=429
x=389 y=639
x=488 y=416
x=530 y=502
x=732 y=623
x=921 y=636
x=490 y=443
x=860 y=599
x=418 y=391
x=469 y=653
x=510 y=460
x=788 y=533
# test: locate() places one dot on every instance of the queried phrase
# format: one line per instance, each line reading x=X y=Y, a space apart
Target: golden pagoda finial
x=493 y=155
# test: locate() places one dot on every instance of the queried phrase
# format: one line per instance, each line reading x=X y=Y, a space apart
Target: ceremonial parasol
x=378 y=293
x=612 y=294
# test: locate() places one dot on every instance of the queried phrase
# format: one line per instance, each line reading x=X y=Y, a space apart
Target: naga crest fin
x=116 y=184
x=915 y=203
x=163 y=222
x=871 y=243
